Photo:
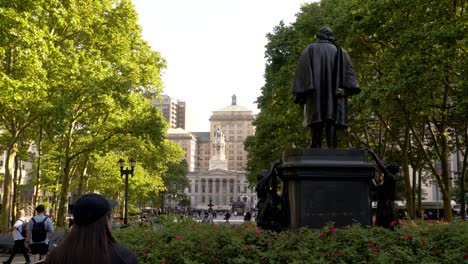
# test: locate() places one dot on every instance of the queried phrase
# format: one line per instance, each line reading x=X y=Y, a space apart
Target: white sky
x=213 y=48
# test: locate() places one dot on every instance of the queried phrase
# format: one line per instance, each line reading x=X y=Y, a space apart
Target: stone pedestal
x=322 y=186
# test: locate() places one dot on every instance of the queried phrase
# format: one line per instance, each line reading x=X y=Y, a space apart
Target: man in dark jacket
x=324 y=79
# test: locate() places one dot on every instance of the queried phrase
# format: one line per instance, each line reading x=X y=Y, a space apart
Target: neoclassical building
x=219 y=185
x=219 y=159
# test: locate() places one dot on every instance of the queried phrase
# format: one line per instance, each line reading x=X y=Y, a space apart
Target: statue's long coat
x=324 y=78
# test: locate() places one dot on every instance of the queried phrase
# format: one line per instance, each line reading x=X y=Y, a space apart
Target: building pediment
x=216 y=172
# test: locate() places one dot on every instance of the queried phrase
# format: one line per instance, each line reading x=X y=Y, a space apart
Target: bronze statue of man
x=324 y=80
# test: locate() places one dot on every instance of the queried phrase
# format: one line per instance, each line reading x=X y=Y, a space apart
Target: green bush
x=190 y=242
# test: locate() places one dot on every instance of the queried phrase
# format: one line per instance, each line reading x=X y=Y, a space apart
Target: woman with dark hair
x=90 y=240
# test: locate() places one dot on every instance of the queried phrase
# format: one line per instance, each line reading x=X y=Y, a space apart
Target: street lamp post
x=126 y=172
x=210 y=205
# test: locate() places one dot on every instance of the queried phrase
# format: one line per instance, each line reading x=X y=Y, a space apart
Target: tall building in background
x=218 y=159
x=203 y=151
x=173 y=110
x=188 y=142
x=235 y=122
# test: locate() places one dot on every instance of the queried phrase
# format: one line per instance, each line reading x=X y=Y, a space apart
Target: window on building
x=203 y=199
x=231 y=138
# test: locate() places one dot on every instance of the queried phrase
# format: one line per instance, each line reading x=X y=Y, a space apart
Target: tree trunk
x=14 y=204
x=63 y=195
x=38 y=167
x=83 y=177
x=446 y=193
x=413 y=190
x=462 y=186
x=406 y=174
x=420 y=209
x=7 y=188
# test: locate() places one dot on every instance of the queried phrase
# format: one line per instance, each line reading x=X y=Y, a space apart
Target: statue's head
x=262 y=174
x=325 y=33
x=393 y=167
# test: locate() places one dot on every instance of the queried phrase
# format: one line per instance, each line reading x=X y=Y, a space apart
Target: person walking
x=39 y=229
x=19 y=235
x=227 y=216
x=90 y=240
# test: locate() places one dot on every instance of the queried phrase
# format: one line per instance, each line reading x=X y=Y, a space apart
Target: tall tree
x=22 y=82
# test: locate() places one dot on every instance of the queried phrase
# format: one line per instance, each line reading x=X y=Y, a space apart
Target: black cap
x=91 y=207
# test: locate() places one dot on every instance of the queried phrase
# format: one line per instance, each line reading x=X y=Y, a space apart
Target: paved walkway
x=19 y=258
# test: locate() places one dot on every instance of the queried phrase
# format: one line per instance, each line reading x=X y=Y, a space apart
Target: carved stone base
x=322 y=186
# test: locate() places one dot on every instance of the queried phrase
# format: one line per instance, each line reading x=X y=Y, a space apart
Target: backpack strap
x=21 y=225
x=43 y=221
x=34 y=220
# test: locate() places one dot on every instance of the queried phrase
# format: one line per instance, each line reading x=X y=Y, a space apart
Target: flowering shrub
x=190 y=242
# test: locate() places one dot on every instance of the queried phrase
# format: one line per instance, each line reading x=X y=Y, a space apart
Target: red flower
x=423 y=241
x=178 y=237
x=144 y=254
x=394 y=223
x=331 y=229
x=408 y=237
x=162 y=262
x=257 y=230
x=247 y=246
x=465 y=257
x=151 y=240
x=375 y=249
x=370 y=244
x=339 y=254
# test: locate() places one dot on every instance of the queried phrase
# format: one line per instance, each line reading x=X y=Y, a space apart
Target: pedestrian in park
x=247 y=217
x=90 y=241
x=227 y=216
x=19 y=235
x=39 y=230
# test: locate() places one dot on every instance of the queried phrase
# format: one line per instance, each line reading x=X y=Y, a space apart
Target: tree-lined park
x=410 y=57
x=75 y=76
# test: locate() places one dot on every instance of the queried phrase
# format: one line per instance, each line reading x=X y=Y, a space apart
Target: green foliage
x=73 y=75
x=410 y=61
x=412 y=242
